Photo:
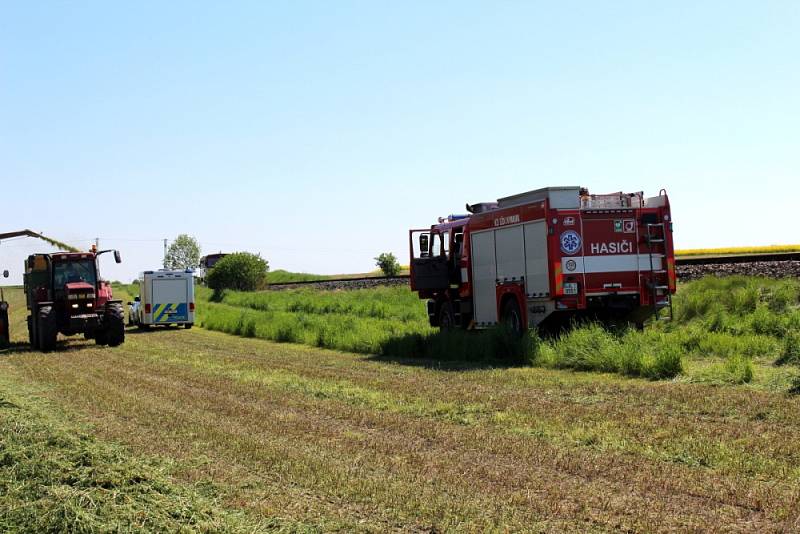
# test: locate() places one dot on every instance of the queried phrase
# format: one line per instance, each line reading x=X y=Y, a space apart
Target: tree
x=183 y=253
x=241 y=271
x=388 y=264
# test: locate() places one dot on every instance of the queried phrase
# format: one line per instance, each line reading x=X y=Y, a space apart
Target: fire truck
x=545 y=258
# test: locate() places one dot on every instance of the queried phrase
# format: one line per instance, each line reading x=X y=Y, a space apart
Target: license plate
x=571 y=288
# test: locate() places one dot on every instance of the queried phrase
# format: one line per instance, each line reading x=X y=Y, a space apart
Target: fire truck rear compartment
x=515 y=255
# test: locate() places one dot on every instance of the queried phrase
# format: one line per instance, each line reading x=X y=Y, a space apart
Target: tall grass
x=728 y=321
x=593 y=348
x=357 y=321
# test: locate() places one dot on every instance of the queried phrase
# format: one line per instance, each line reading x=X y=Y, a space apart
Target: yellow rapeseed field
x=737 y=250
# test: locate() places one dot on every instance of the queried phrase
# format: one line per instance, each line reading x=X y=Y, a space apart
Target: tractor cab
x=65 y=294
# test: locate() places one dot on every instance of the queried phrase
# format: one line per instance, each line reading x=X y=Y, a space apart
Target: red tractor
x=64 y=294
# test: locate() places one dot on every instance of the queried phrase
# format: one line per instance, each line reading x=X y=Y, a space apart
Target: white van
x=165 y=298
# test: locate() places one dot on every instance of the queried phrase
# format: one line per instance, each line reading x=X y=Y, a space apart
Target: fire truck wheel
x=511 y=316
x=46 y=329
x=114 y=324
x=187 y=326
x=447 y=320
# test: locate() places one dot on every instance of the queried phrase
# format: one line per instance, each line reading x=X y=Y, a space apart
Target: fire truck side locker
x=484 y=277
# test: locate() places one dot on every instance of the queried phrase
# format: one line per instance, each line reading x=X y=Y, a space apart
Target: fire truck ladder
x=659 y=279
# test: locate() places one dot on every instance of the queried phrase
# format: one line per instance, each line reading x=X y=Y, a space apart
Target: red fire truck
x=546 y=257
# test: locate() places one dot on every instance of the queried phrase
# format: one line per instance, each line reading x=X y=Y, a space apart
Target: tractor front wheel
x=46 y=329
x=114 y=324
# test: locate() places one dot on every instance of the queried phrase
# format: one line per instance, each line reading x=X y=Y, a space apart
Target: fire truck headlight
x=75 y=305
x=3 y=306
x=89 y=304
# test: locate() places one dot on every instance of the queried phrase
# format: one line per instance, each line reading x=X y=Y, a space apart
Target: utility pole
x=165 y=254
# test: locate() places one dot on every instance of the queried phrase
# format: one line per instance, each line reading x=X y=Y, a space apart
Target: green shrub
x=241 y=271
x=388 y=264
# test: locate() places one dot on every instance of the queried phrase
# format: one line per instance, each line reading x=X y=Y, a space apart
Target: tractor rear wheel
x=114 y=324
x=33 y=339
x=46 y=329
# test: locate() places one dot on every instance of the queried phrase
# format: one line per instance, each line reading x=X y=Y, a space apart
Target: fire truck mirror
x=117 y=257
x=423 y=244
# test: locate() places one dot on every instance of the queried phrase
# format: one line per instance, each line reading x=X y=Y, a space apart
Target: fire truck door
x=484 y=277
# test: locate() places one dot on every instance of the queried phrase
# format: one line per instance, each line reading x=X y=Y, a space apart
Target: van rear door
x=170 y=300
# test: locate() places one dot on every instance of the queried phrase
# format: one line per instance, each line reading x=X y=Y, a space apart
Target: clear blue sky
x=317 y=133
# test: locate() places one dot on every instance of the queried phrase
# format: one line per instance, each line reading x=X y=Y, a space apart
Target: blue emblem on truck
x=570 y=242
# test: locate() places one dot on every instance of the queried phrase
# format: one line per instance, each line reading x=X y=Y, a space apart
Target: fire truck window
x=420 y=241
x=438 y=248
x=459 y=244
x=446 y=242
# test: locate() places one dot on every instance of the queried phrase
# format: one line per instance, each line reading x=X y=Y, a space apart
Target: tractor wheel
x=46 y=329
x=33 y=339
x=447 y=320
x=512 y=317
x=101 y=336
x=5 y=338
x=115 y=324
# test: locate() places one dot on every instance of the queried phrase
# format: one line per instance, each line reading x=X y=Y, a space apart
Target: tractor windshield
x=74 y=271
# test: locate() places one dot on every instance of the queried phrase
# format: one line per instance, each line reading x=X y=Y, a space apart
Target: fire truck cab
x=546 y=257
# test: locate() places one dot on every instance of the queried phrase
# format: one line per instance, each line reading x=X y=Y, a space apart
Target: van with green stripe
x=165 y=298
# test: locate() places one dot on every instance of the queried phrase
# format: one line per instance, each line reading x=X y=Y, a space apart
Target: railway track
x=774 y=265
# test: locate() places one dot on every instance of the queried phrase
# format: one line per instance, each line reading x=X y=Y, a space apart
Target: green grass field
x=211 y=432
x=731 y=330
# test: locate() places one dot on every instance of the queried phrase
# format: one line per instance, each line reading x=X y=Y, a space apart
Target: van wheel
x=512 y=317
x=447 y=320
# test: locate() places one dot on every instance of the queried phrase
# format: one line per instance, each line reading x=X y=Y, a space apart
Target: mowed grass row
x=55 y=476
x=349 y=442
x=731 y=330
